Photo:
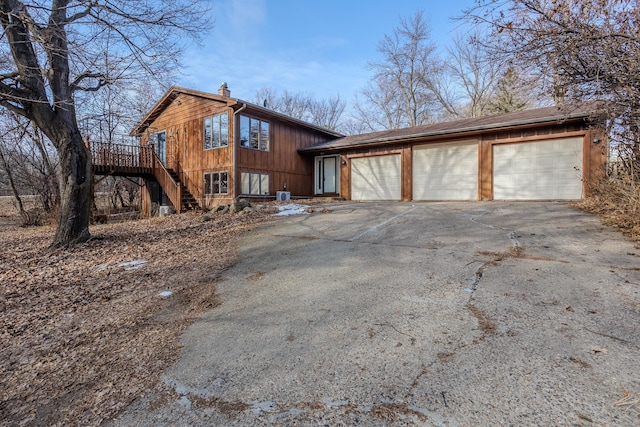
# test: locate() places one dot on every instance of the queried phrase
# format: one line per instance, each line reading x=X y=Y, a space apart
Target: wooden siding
x=345 y=170
x=594 y=155
x=183 y=123
x=282 y=162
x=592 y=160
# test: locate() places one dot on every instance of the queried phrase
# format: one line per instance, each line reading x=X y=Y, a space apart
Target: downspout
x=236 y=132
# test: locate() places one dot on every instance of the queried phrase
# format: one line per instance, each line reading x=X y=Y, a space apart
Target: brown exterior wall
x=282 y=162
x=345 y=170
x=594 y=158
x=183 y=122
x=594 y=155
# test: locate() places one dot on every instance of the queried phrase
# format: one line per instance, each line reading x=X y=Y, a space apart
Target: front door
x=161 y=146
x=326 y=175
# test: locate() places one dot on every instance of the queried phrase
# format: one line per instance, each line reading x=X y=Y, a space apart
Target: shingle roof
x=461 y=127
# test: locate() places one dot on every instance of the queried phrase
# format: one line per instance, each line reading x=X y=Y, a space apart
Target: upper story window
x=254 y=133
x=216 y=131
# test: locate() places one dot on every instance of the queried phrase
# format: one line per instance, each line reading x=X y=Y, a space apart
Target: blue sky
x=319 y=47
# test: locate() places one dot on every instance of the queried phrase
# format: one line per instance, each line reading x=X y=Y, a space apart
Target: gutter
x=443 y=132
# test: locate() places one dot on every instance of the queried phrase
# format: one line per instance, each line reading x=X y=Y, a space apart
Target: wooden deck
x=122 y=160
x=140 y=161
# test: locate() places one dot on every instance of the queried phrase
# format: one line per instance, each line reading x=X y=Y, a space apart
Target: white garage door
x=376 y=178
x=538 y=170
x=446 y=172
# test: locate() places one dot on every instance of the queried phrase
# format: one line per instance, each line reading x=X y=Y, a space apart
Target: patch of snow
x=268 y=406
x=334 y=403
x=166 y=293
x=185 y=402
x=292 y=209
x=133 y=265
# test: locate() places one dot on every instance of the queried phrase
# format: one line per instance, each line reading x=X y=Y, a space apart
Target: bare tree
x=322 y=112
x=400 y=93
x=30 y=166
x=582 y=50
x=476 y=73
x=327 y=112
x=294 y=105
x=50 y=53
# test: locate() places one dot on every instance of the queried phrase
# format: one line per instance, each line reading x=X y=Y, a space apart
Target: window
x=254 y=183
x=216 y=183
x=216 y=131
x=254 y=133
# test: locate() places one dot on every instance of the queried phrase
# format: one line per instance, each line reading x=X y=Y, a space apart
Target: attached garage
x=376 y=178
x=445 y=171
x=549 y=153
x=538 y=170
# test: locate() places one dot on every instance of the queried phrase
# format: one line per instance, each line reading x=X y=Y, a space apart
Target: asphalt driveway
x=447 y=314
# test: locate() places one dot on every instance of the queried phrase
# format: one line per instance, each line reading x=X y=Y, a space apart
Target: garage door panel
x=446 y=172
x=376 y=178
x=538 y=170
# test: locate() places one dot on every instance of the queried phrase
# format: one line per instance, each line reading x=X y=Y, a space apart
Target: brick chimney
x=224 y=90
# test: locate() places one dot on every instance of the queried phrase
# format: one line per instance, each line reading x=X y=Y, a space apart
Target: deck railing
x=172 y=189
x=135 y=160
x=121 y=156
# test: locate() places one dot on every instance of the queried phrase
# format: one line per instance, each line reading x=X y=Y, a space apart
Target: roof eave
x=173 y=92
x=448 y=132
x=169 y=97
x=290 y=119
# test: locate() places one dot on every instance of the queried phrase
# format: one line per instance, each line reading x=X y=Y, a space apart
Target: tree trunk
x=75 y=193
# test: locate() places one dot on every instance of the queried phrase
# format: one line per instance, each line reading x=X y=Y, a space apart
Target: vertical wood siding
x=593 y=164
x=282 y=162
x=183 y=122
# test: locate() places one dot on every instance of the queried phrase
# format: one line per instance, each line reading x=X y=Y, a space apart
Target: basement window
x=216 y=183
x=216 y=131
x=254 y=184
x=254 y=133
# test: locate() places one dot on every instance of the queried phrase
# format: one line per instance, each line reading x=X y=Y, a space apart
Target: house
x=213 y=149
x=202 y=150
x=543 y=154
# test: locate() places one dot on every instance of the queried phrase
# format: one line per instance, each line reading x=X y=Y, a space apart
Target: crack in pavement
x=382 y=224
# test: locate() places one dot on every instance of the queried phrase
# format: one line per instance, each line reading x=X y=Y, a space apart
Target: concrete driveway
x=444 y=314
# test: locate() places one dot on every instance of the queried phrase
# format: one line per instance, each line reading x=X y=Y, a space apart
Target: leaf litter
x=87 y=330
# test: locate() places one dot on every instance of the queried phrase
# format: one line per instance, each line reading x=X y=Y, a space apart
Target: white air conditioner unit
x=283 y=196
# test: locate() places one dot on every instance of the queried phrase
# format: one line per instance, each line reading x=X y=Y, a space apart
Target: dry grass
x=83 y=333
x=630 y=402
x=617 y=203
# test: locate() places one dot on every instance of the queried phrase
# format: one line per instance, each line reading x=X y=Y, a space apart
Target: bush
x=617 y=201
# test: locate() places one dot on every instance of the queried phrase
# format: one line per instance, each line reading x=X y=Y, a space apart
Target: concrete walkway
x=439 y=314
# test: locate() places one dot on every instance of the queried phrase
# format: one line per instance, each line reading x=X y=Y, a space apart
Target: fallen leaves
x=86 y=330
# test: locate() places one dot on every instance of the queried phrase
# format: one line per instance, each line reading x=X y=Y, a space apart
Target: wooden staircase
x=141 y=161
x=187 y=200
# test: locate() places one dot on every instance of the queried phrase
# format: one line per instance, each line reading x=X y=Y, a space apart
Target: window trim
x=210 y=119
x=211 y=181
x=260 y=133
x=261 y=177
